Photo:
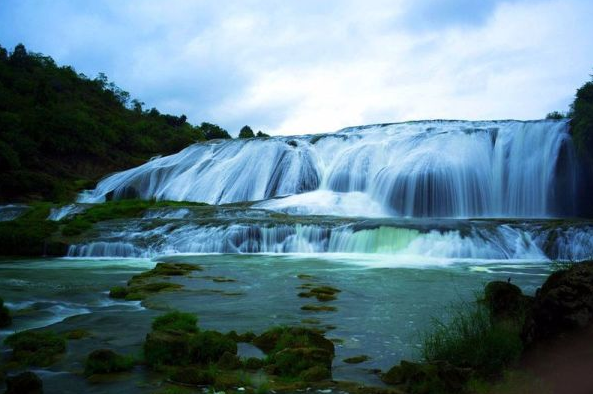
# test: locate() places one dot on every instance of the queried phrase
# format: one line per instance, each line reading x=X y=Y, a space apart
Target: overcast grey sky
x=294 y=67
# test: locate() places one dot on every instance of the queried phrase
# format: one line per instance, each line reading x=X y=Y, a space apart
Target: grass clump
x=104 y=361
x=210 y=346
x=473 y=339
x=36 y=347
x=176 y=321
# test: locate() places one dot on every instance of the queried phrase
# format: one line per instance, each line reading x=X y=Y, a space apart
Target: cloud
x=310 y=66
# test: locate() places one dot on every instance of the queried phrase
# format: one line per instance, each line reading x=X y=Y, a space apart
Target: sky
x=309 y=66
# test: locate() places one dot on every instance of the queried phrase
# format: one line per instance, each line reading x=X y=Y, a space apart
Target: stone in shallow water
x=24 y=383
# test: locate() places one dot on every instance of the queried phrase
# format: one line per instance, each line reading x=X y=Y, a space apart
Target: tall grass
x=472 y=338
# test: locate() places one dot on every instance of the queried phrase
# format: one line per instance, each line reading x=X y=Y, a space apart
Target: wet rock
x=505 y=300
x=564 y=302
x=295 y=361
x=24 y=383
x=5 y=318
x=356 y=359
x=425 y=378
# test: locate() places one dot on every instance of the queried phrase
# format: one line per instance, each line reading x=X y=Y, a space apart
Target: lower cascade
x=459 y=240
x=413 y=169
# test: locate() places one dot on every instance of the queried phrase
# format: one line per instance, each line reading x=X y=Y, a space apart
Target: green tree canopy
x=246 y=132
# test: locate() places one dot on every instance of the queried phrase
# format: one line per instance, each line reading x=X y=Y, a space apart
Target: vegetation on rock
x=104 y=361
x=38 y=348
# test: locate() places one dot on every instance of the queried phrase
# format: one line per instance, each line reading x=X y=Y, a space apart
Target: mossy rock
x=279 y=338
x=39 y=348
x=139 y=291
x=564 y=303
x=322 y=293
x=105 y=361
x=294 y=361
x=229 y=361
x=505 y=300
x=167 y=348
x=319 y=308
x=209 y=346
x=165 y=270
x=315 y=374
x=5 y=317
x=357 y=359
x=193 y=376
x=427 y=378
x=24 y=383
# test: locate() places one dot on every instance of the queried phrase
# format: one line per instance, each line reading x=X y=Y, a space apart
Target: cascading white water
x=469 y=241
x=415 y=169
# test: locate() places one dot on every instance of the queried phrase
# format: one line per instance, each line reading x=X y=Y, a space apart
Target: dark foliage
x=246 y=132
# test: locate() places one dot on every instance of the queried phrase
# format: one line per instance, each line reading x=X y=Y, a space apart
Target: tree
x=246 y=132
x=260 y=134
x=212 y=131
x=555 y=115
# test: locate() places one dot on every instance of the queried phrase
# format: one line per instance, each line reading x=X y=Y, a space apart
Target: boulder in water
x=564 y=302
x=24 y=383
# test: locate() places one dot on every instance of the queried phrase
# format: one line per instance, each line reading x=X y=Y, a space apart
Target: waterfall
x=457 y=240
x=413 y=169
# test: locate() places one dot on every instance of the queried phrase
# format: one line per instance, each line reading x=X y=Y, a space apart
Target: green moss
x=176 y=321
x=315 y=374
x=39 y=348
x=104 y=361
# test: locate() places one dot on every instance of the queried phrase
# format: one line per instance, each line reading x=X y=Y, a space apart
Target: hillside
x=61 y=131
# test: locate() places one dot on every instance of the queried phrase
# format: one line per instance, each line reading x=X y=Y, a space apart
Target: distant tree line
x=61 y=130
